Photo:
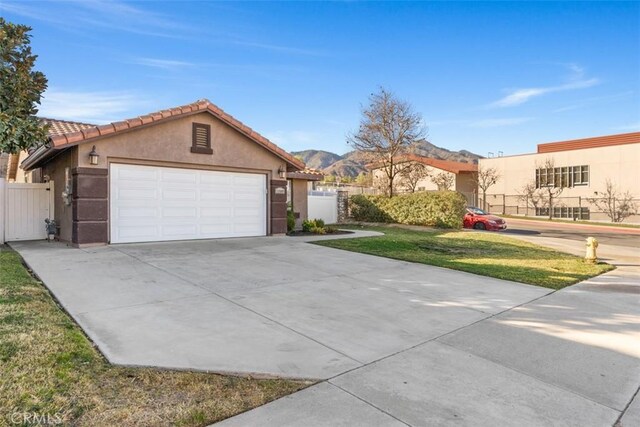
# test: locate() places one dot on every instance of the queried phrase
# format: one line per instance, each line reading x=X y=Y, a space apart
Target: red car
x=481 y=220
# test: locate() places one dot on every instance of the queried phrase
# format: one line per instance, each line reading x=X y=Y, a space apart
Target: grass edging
x=50 y=370
x=486 y=254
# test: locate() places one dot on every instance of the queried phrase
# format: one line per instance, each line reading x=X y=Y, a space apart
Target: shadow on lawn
x=517 y=261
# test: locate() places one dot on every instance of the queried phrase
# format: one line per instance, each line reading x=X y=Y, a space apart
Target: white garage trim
x=150 y=204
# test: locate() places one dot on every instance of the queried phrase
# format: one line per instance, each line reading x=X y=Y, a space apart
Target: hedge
x=443 y=209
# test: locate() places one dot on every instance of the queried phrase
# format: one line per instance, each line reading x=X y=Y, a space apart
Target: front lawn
x=50 y=371
x=487 y=254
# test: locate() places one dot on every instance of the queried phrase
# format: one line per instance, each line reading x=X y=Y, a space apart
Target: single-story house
x=190 y=172
x=462 y=176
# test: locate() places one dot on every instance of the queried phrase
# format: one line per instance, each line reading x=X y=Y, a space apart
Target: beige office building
x=582 y=167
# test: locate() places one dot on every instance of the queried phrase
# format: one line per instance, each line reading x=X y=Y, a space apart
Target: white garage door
x=151 y=203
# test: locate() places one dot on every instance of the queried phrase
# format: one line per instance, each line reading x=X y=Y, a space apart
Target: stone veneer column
x=278 y=206
x=90 y=206
x=343 y=206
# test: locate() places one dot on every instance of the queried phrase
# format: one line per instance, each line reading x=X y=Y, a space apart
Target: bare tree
x=485 y=179
x=617 y=205
x=552 y=184
x=532 y=196
x=411 y=173
x=444 y=181
x=387 y=128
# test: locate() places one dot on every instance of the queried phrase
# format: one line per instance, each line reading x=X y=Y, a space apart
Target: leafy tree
x=329 y=178
x=364 y=179
x=388 y=127
x=485 y=179
x=443 y=180
x=20 y=90
x=617 y=205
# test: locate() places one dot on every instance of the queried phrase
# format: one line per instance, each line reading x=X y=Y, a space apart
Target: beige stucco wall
x=620 y=163
x=425 y=184
x=299 y=196
x=170 y=142
x=56 y=172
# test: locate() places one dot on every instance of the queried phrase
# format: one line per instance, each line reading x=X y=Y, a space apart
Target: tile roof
x=204 y=105
x=447 y=165
x=308 y=174
x=60 y=127
x=598 y=141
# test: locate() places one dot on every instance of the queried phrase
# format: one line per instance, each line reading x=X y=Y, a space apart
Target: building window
x=566 y=176
x=201 y=139
x=565 y=212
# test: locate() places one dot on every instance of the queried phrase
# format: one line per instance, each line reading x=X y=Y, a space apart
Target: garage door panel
x=153 y=204
x=137 y=194
x=177 y=178
x=138 y=232
x=216 y=212
x=136 y=212
x=217 y=179
x=216 y=194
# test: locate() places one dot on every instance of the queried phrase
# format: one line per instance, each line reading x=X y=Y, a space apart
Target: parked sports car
x=481 y=220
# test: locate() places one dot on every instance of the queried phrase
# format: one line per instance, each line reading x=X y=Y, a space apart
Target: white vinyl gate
x=324 y=207
x=24 y=208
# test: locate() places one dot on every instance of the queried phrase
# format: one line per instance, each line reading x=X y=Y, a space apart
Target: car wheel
x=479 y=226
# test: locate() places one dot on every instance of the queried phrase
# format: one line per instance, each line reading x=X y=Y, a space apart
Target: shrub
x=318 y=222
x=330 y=229
x=443 y=209
x=291 y=221
x=307 y=225
x=318 y=230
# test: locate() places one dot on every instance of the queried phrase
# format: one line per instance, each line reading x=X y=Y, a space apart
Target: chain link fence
x=576 y=208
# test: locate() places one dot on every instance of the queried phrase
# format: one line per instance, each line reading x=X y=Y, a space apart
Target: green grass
x=487 y=254
x=569 y=221
x=49 y=367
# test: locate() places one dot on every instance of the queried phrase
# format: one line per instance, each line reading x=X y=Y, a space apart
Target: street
x=618 y=236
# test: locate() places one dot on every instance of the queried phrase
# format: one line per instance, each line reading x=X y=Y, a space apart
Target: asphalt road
x=619 y=236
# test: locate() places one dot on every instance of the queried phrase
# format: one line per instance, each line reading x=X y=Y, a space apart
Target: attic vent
x=201 y=139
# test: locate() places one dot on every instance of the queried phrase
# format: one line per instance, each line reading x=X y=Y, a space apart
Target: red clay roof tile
x=594 y=142
x=75 y=134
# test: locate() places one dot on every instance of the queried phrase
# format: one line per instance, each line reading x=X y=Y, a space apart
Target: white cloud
x=294 y=138
x=90 y=107
x=113 y=15
x=165 y=64
x=483 y=123
x=492 y=123
x=522 y=95
x=629 y=127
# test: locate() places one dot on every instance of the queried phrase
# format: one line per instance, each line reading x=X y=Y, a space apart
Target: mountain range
x=353 y=163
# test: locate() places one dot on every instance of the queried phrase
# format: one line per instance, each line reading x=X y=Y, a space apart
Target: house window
x=201 y=139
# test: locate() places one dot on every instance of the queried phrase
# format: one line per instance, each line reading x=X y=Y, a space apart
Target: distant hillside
x=317 y=159
x=352 y=163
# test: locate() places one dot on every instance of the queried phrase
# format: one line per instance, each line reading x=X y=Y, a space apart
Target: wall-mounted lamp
x=93 y=156
x=282 y=172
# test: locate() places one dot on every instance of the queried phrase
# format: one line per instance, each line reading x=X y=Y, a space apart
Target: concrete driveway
x=396 y=343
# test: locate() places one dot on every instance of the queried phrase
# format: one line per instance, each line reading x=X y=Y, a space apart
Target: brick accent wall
x=90 y=206
x=278 y=206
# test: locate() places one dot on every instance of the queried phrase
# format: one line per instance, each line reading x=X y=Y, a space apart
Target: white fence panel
x=323 y=207
x=26 y=206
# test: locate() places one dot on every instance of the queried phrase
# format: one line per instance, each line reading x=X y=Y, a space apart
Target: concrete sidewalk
x=569 y=358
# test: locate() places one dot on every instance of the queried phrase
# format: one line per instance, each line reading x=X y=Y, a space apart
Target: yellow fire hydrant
x=591 y=256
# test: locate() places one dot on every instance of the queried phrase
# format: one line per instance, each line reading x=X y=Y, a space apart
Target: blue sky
x=495 y=76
